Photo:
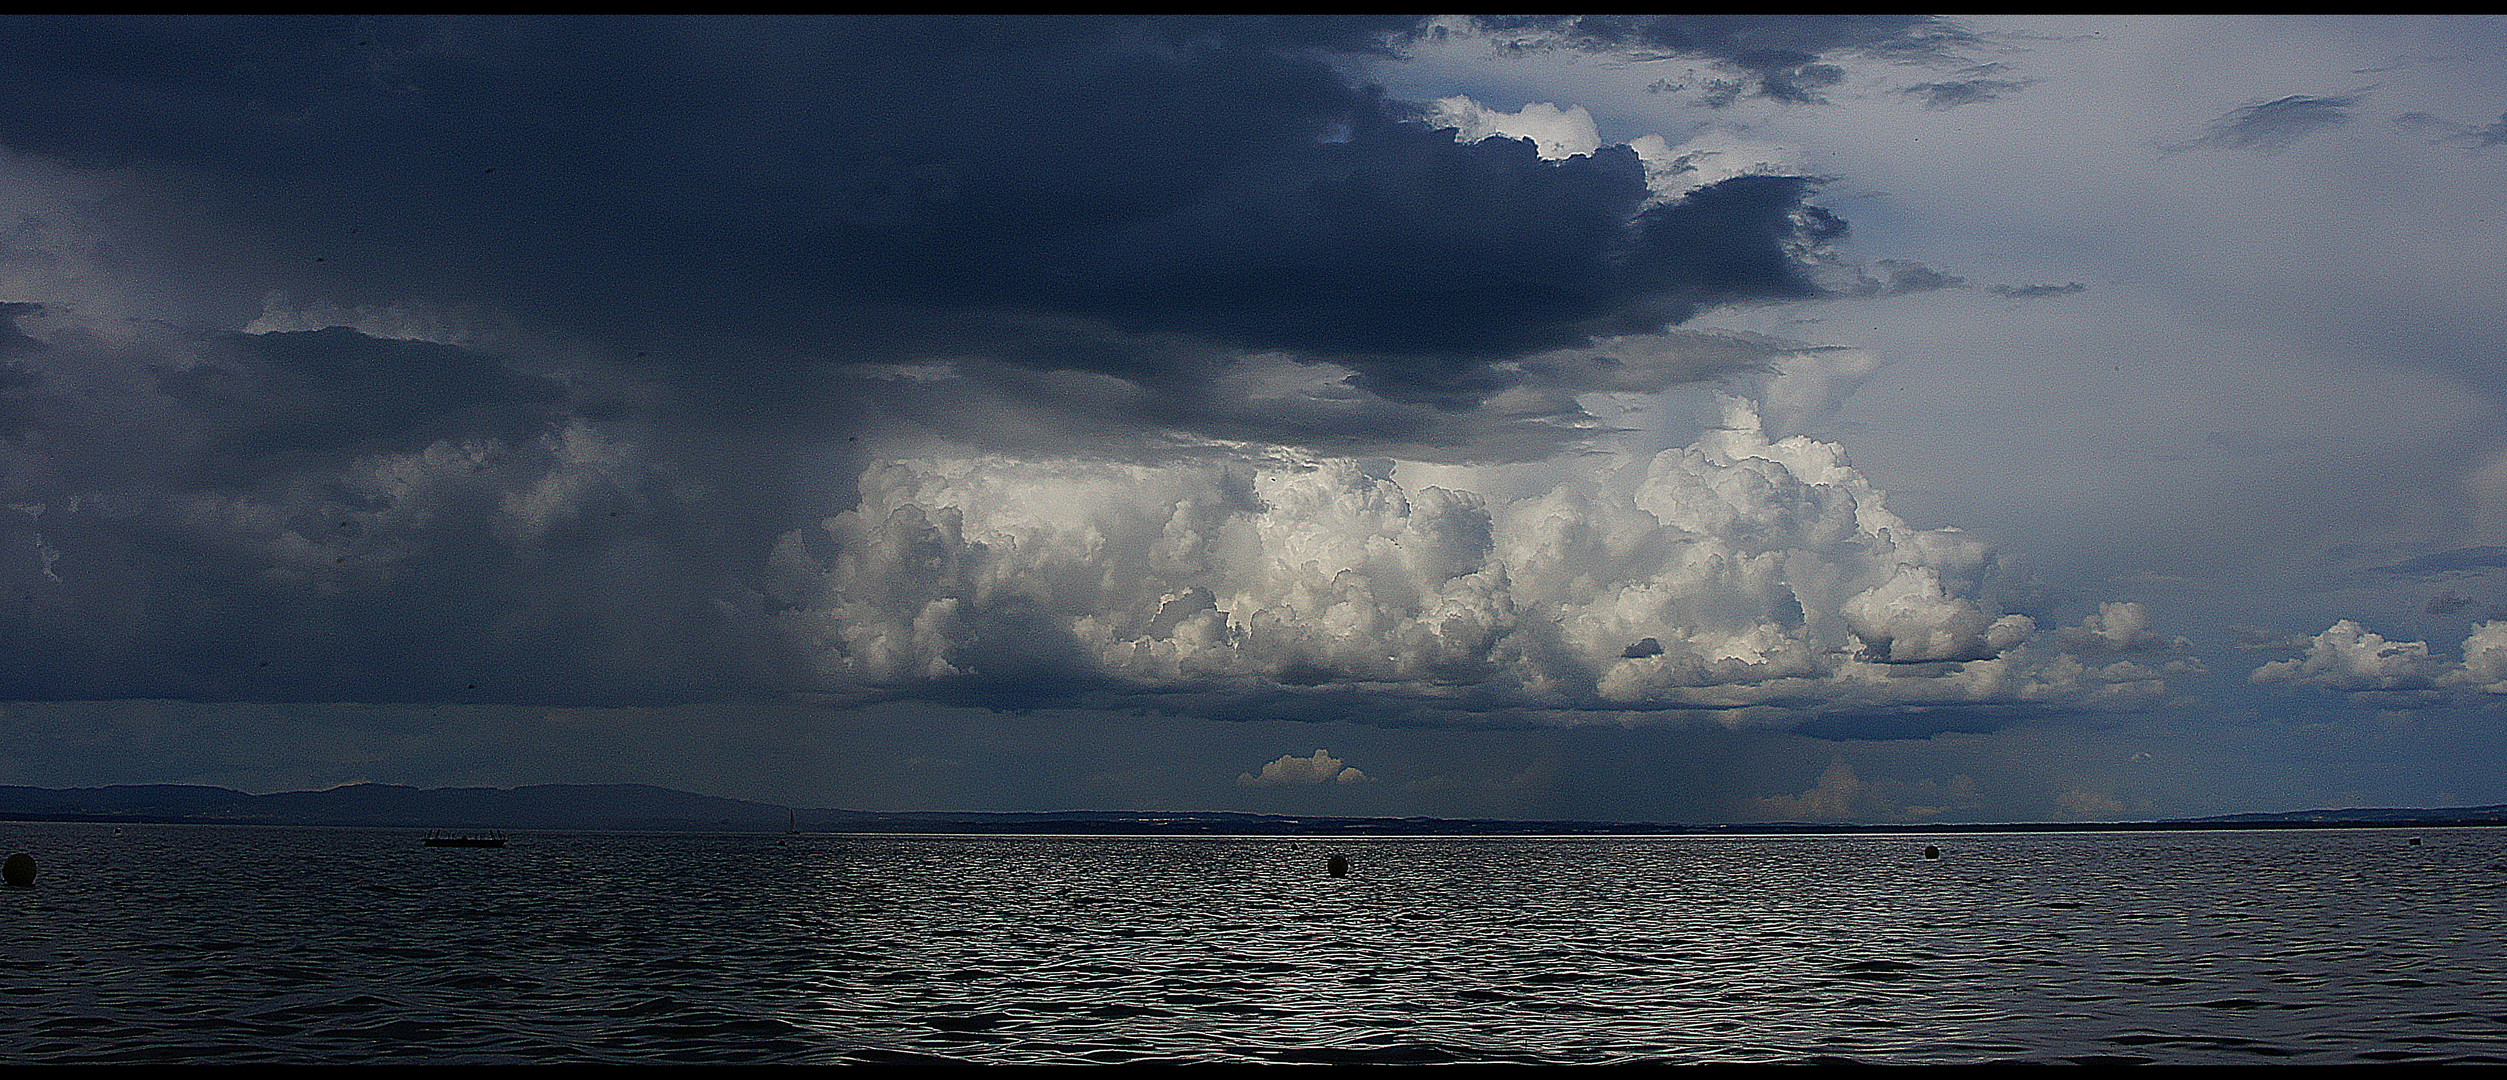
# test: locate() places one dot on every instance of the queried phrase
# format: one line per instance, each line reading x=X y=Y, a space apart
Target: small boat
x=465 y=841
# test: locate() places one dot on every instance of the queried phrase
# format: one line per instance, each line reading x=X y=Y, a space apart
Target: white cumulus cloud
x=1555 y=132
x=1743 y=576
x=1291 y=770
x=2348 y=658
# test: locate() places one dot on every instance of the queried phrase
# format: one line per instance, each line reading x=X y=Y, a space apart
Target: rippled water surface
x=210 y=944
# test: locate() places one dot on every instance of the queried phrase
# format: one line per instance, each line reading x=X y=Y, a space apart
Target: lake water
x=211 y=945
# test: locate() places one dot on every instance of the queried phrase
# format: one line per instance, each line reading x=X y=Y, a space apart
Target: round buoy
x=18 y=870
x=1339 y=866
x=1931 y=852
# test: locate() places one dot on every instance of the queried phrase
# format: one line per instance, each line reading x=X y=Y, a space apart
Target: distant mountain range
x=643 y=808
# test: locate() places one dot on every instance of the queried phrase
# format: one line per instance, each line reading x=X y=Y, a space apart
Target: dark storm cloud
x=11 y=337
x=837 y=187
x=327 y=516
x=1781 y=57
x=743 y=245
x=17 y=382
x=332 y=395
x=2275 y=124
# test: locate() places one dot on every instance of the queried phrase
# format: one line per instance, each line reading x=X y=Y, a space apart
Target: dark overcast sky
x=1704 y=417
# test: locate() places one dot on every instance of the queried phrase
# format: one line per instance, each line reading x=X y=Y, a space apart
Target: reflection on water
x=247 y=944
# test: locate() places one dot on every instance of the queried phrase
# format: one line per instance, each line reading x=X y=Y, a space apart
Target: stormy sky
x=1667 y=417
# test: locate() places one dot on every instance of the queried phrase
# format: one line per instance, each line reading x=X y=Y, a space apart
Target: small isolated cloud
x=2117 y=629
x=1893 y=277
x=2275 y=124
x=2032 y=292
x=1293 y=771
x=1957 y=92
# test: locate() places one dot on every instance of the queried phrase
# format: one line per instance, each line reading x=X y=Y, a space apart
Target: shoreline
x=1326 y=829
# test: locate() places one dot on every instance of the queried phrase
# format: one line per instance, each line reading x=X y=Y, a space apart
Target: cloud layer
x=1790 y=59
x=1141 y=199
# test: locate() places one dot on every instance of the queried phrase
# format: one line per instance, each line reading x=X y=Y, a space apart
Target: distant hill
x=2460 y=815
x=644 y=808
x=628 y=807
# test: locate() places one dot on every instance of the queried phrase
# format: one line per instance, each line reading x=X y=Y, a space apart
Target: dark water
x=280 y=945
